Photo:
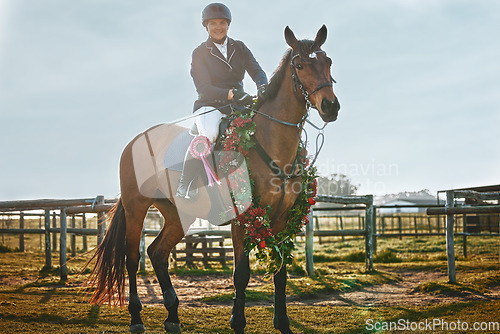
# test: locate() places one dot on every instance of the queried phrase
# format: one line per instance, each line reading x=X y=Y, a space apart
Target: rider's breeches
x=208 y=124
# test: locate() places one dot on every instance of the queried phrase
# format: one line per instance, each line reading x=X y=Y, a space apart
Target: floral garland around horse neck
x=272 y=251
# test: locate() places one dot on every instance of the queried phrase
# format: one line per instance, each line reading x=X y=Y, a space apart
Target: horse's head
x=311 y=73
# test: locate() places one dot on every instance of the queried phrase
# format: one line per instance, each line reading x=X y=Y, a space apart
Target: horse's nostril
x=329 y=109
x=327 y=104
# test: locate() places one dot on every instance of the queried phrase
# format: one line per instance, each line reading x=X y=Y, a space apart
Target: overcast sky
x=418 y=81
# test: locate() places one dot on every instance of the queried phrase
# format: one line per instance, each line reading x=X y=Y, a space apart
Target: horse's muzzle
x=329 y=109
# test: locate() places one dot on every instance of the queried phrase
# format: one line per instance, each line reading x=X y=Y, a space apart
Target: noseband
x=297 y=82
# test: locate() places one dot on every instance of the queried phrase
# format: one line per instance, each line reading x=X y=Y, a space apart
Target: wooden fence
x=450 y=210
x=366 y=226
x=72 y=206
x=366 y=231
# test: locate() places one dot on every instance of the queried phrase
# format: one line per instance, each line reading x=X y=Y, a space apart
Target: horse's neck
x=281 y=141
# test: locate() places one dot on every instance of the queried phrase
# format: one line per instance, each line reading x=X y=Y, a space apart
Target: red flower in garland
x=311 y=201
x=314 y=187
x=262 y=244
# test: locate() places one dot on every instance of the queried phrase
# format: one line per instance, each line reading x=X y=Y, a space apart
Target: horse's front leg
x=241 y=276
x=280 y=320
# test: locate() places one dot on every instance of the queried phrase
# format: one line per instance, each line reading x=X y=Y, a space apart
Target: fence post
x=62 y=245
x=450 y=243
x=369 y=233
x=464 y=240
x=101 y=222
x=84 y=225
x=342 y=227
x=374 y=230
x=73 y=236
x=21 y=235
x=48 y=255
x=54 y=234
x=400 y=227
x=309 y=245
x=40 y=227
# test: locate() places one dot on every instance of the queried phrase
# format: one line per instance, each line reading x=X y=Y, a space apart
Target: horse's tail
x=108 y=274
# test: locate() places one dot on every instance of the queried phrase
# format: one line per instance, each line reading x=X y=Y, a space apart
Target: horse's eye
x=299 y=67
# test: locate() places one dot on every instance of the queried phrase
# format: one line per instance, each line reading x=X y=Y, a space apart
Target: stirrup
x=188 y=193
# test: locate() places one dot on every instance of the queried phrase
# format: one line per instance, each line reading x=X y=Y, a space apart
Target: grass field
x=33 y=300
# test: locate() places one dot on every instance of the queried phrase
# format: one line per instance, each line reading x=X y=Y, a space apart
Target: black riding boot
x=190 y=170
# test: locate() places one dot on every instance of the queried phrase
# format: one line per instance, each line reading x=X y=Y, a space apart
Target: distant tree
x=336 y=184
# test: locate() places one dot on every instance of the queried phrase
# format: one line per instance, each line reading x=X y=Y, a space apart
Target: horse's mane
x=304 y=47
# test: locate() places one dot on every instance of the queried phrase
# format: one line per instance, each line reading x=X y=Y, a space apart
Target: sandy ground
x=191 y=288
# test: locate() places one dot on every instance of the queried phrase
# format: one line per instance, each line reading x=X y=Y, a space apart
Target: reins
x=320 y=138
x=199 y=114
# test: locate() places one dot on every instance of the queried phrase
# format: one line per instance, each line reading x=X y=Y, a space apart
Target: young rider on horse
x=218 y=67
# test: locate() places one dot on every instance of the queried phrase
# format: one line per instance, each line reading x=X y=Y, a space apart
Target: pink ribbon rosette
x=200 y=148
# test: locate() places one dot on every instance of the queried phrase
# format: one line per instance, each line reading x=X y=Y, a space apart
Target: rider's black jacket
x=214 y=75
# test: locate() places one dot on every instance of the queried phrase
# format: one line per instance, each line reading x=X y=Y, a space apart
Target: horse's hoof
x=172 y=327
x=137 y=328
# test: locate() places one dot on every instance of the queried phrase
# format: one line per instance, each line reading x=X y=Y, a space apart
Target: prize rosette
x=200 y=148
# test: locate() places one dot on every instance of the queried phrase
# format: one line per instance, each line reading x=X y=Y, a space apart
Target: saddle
x=174 y=156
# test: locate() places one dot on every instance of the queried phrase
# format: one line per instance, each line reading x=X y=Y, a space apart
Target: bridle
x=300 y=127
x=297 y=83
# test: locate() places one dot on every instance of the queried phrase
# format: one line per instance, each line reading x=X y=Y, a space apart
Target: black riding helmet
x=215 y=11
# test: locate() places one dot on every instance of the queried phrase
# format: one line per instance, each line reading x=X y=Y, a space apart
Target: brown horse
x=302 y=80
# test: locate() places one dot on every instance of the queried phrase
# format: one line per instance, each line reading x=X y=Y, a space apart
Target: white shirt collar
x=222 y=47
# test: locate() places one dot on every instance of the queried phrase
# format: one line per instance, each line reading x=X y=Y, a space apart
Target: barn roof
x=415 y=198
x=490 y=188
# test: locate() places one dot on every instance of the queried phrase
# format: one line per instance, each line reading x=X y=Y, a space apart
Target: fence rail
x=64 y=206
x=368 y=225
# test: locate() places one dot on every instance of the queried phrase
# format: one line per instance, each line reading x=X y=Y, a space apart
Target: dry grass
x=36 y=301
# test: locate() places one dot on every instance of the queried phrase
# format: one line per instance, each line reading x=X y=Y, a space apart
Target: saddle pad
x=174 y=156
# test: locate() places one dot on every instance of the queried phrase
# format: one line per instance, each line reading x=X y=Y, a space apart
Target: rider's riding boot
x=190 y=170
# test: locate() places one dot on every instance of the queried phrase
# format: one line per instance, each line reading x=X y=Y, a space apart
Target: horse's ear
x=290 y=38
x=320 y=37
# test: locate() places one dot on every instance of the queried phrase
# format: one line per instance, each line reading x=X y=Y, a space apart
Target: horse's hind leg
x=158 y=252
x=135 y=212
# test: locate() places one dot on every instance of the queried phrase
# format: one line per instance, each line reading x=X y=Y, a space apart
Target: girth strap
x=268 y=161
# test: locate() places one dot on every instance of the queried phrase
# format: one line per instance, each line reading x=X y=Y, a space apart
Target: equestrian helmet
x=215 y=11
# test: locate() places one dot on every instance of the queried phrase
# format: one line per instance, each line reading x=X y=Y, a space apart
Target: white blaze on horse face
x=313 y=55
